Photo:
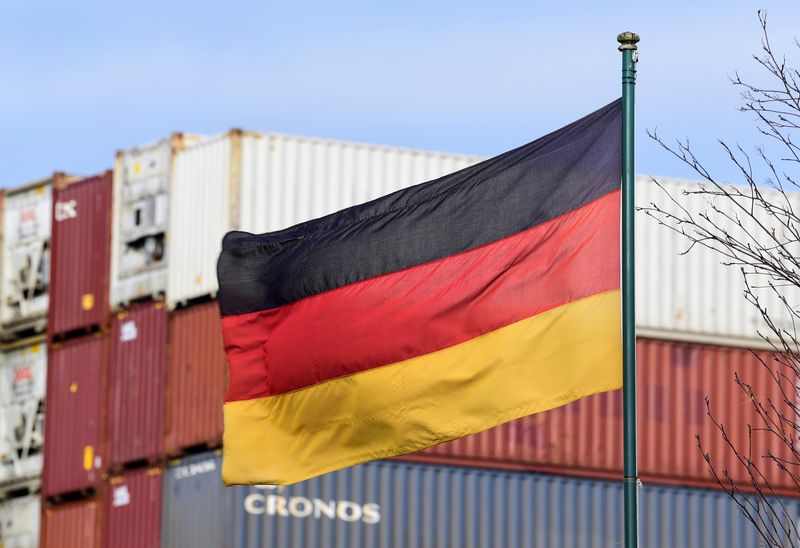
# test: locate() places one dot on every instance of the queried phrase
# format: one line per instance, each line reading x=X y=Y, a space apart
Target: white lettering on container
x=66 y=210
x=128 y=331
x=121 y=496
x=304 y=507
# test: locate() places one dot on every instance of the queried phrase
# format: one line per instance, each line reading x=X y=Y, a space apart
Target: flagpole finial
x=627 y=40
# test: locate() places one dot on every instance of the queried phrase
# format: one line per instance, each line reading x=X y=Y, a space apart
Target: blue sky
x=83 y=79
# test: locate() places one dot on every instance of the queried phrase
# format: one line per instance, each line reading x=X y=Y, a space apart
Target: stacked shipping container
x=128 y=389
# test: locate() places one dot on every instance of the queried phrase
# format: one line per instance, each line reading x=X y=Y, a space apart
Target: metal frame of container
x=72 y=525
x=196 y=379
x=137 y=368
x=23 y=371
x=132 y=509
x=74 y=449
x=80 y=254
x=19 y=522
x=25 y=257
x=259 y=182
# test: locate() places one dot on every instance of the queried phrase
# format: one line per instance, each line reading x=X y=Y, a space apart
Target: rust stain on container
x=73 y=449
x=133 y=509
x=71 y=525
x=136 y=384
x=196 y=379
x=80 y=254
x=585 y=437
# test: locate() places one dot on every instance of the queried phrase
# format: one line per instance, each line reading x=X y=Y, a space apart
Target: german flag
x=428 y=314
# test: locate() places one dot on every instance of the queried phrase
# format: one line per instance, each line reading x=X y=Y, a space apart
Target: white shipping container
x=19 y=522
x=23 y=378
x=261 y=182
x=139 y=227
x=26 y=257
x=694 y=296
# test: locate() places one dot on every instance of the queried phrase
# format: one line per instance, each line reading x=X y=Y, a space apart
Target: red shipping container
x=196 y=379
x=133 y=509
x=73 y=448
x=80 y=254
x=71 y=525
x=585 y=437
x=136 y=384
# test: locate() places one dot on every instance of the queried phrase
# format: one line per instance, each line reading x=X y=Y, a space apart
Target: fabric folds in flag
x=428 y=314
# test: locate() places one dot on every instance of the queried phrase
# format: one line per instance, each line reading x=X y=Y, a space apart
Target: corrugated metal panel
x=19 y=522
x=26 y=256
x=193 y=512
x=391 y=504
x=260 y=182
x=23 y=378
x=141 y=210
x=73 y=449
x=133 y=509
x=196 y=379
x=136 y=384
x=692 y=296
x=71 y=525
x=585 y=437
x=81 y=247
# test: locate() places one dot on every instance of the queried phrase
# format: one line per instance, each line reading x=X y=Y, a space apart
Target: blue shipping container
x=194 y=504
x=399 y=505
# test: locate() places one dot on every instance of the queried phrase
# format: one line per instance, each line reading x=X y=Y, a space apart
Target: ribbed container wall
x=196 y=379
x=72 y=525
x=23 y=379
x=195 y=503
x=383 y=505
x=585 y=437
x=136 y=384
x=26 y=257
x=80 y=251
x=74 y=448
x=692 y=296
x=260 y=182
x=133 y=509
x=19 y=522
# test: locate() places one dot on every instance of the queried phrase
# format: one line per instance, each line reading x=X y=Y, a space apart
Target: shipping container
x=23 y=378
x=196 y=379
x=261 y=182
x=136 y=374
x=585 y=437
x=80 y=254
x=140 y=214
x=26 y=257
x=133 y=509
x=692 y=296
x=387 y=505
x=71 y=525
x=195 y=503
x=19 y=522
x=74 y=446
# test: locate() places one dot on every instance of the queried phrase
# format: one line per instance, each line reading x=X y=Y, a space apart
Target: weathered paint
x=384 y=505
x=195 y=502
x=23 y=378
x=80 y=254
x=196 y=379
x=71 y=525
x=136 y=384
x=133 y=509
x=585 y=437
x=74 y=447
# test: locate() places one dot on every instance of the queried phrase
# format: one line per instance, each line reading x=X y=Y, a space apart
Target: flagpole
x=627 y=45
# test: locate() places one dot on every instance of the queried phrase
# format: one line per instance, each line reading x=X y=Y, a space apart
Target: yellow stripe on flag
x=527 y=367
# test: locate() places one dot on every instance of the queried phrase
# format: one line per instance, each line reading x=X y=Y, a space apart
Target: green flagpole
x=627 y=45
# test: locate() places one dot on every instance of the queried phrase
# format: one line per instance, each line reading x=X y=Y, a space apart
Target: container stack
x=136 y=374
